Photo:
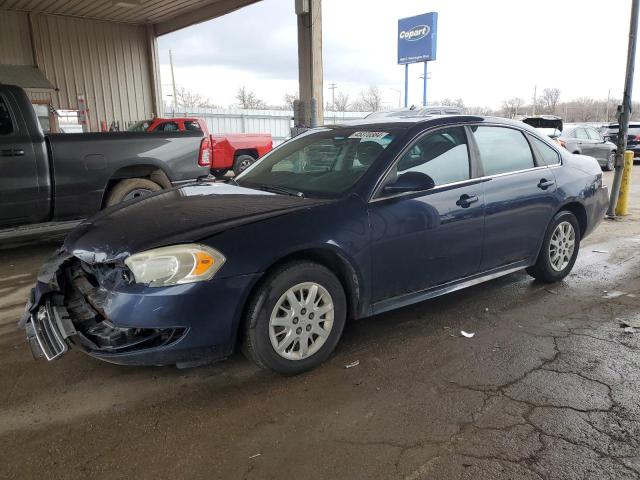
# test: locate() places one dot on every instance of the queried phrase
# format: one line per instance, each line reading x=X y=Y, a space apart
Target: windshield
x=139 y=126
x=322 y=163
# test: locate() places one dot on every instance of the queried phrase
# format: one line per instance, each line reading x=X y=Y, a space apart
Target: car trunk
x=549 y=124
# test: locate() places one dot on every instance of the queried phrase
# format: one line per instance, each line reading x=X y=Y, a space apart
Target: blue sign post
x=417 y=43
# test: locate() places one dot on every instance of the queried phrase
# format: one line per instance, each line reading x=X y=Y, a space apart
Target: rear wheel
x=295 y=318
x=130 y=189
x=559 y=249
x=242 y=163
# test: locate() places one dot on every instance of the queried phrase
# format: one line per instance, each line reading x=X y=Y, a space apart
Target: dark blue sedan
x=344 y=221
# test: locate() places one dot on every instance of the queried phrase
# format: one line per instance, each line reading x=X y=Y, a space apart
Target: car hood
x=180 y=215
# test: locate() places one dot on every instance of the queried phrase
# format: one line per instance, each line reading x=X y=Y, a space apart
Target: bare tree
x=512 y=106
x=187 y=99
x=249 y=100
x=371 y=100
x=452 y=102
x=549 y=99
x=289 y=98
x=479 y=111
x=342 y=102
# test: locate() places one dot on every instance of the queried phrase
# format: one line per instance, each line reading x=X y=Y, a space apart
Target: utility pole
x=173 y=83
x=625 y=109
x=535 y=98
x=332 y=87
x=608 y=100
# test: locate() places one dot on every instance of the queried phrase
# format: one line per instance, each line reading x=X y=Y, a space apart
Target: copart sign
x=417 y=38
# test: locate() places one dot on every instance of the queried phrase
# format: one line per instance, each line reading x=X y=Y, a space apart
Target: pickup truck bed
x=56 y=179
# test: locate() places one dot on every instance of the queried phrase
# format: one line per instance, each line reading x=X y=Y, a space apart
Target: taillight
x=636 y=138
x=204 y=158
x=562 y=143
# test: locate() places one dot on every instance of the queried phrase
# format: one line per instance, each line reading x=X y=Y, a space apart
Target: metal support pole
x=173 y=84
x=406 y=85
x=424 y=87
x=625 y=114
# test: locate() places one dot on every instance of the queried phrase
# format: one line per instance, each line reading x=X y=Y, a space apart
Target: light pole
x=424 y=77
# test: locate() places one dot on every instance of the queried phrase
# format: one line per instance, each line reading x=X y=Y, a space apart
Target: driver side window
x=442 y=155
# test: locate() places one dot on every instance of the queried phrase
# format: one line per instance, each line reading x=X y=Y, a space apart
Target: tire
x=241 y=163
x=610 y=162
x=220 y=173
x=544 y=269
x=261 y=337
x=132 y=188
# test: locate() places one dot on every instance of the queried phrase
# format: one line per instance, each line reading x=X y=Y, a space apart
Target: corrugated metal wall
x=108 y=62
x=15 y=43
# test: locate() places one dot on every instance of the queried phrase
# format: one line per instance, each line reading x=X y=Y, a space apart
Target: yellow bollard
x=622 y=207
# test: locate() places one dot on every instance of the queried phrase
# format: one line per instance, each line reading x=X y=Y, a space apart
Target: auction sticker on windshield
x=368 y=134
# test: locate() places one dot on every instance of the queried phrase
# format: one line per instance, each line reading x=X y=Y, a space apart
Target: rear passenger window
x=547 y=154
x=593 y=135
x=581 y=134
x=442 y=155
x=6 y=126
x=503 y=150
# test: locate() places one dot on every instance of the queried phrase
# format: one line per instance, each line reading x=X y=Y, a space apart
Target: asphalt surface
x=546 y=389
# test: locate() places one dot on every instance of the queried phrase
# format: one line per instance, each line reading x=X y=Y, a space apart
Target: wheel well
x=150 y=172
x=327 y=258
x=252 y=152
x=581 y=214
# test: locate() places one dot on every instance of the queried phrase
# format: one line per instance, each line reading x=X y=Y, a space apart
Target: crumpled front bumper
x=125 y=323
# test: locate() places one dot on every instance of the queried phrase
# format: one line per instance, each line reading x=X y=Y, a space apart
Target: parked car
x=549 y=125
x=50 y=182
x=586 y=140
x=417 y=112
x=277 y=259
x=610 y=133
x=235 y=151
x=436 y=110
x=394 y=112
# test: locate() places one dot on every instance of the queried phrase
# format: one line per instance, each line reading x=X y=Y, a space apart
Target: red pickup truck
x=231 y=151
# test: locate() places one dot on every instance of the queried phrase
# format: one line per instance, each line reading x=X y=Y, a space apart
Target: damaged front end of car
x=70 y=306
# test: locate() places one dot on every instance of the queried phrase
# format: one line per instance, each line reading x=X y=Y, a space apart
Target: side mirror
x=410 y=182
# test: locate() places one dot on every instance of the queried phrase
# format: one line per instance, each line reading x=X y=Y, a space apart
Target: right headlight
x=175 y=265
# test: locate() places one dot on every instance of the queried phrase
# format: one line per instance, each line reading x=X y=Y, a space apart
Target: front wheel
x=559 y=249
x=295 y=318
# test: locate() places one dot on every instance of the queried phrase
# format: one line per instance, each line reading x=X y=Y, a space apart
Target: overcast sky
x=487 y=50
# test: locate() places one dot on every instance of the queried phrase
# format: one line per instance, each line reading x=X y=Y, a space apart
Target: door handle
x=465 y=200
x=11 y=153
x=544 y=183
